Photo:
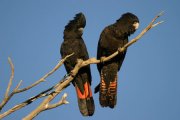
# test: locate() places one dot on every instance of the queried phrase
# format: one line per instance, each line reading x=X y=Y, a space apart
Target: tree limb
x=53 y=94
x=17 y=90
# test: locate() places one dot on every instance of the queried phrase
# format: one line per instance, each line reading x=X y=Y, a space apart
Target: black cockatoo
x=73 y=43
x=113 y=37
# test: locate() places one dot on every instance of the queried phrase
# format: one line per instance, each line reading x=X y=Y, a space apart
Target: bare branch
x=32 y=99
x=17 y=87
x=53 y=94
x=26 y=102
x=11 y=78
x=17 y=90
x=61 y=102
x=21 y=105
x=154 y=25
x=6 y=96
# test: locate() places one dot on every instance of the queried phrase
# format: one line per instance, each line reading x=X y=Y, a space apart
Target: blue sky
x=31 y=32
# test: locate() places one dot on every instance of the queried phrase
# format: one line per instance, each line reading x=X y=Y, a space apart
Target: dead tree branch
x=7 y=96
x=45 y=105
x=26 y=102
x=11 y=78
x=36 y=97
x=17 y=90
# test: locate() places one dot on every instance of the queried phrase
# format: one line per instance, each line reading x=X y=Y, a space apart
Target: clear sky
x=31 y=32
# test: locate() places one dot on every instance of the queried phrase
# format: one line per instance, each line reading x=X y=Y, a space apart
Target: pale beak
x=81 y=29
x=136 y=25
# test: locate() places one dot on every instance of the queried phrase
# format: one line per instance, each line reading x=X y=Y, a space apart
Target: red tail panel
x=87 y=92
x=85 y=100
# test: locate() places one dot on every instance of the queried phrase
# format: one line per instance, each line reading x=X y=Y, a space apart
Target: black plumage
x=73 y=43
x=111 y=38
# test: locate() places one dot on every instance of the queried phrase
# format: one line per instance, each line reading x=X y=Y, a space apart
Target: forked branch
x=17 y=90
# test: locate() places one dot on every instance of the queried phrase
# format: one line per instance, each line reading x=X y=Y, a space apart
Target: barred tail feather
x=112 y=93
x=85 y=100
x=108 y=93
x=103 y=93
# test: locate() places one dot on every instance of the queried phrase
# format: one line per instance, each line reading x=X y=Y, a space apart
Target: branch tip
x=161 y=13
x=154 y=25
x=65 y=95
x=64 y=98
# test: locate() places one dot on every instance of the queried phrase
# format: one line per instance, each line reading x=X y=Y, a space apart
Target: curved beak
x=81 y=29
x=136 y=25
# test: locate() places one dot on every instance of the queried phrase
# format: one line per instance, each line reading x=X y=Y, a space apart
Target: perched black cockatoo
x=73 y=43
x=113 y=37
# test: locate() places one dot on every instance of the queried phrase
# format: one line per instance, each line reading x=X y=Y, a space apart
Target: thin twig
x=11 y=78
x=61 y=102
x=6 y=96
